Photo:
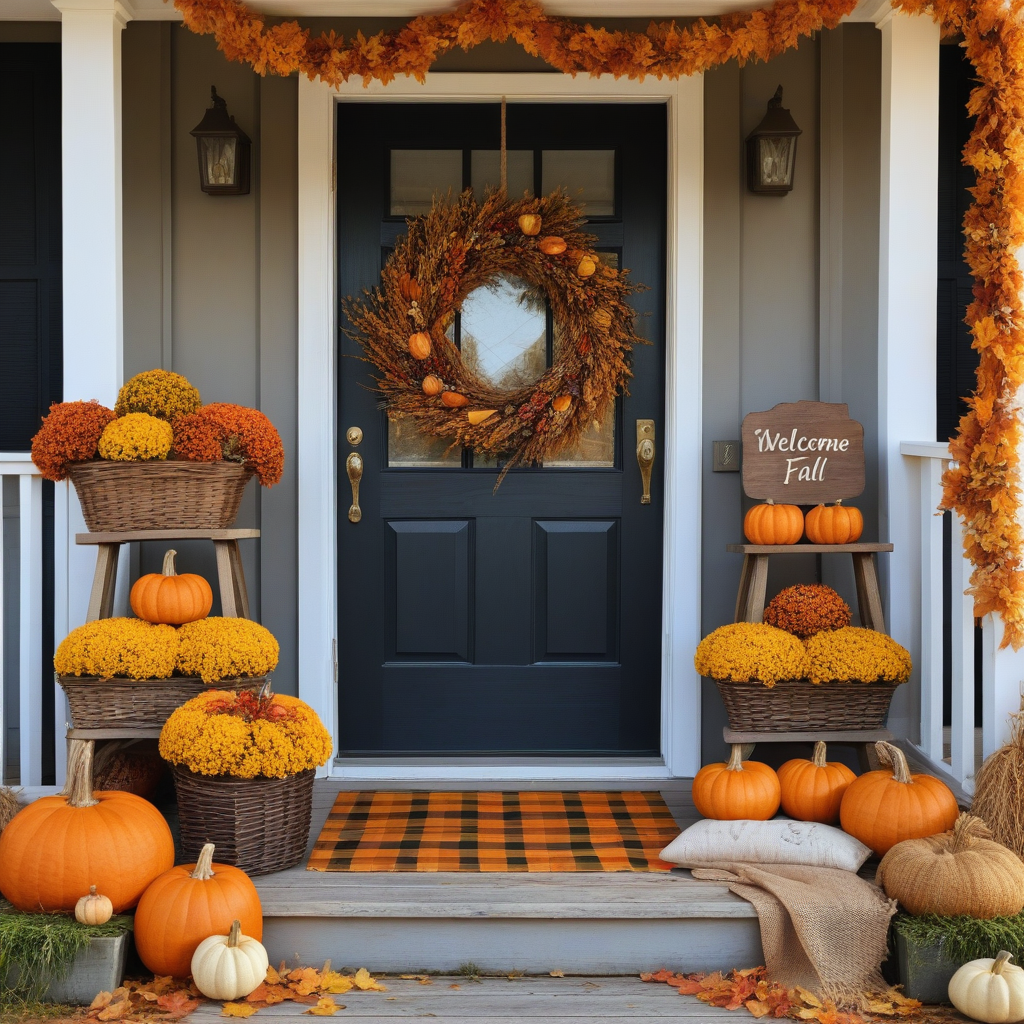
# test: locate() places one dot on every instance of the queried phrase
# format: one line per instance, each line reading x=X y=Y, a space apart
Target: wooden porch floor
x=506 y=1001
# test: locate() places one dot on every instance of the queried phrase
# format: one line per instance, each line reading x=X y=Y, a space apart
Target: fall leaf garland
x=664 y=50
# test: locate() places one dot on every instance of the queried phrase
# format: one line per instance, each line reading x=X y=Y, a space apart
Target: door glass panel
x=410 y=448
x=418 y=175
x=587 y=174
x=486 y=171
x=504 y=333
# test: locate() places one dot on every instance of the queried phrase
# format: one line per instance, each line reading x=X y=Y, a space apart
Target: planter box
x=924 y=970
x=99 y=967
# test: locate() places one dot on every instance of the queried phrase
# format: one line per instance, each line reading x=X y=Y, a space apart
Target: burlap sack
x=821 y=928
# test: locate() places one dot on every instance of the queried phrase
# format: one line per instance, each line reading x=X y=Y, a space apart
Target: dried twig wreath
x=462 y=245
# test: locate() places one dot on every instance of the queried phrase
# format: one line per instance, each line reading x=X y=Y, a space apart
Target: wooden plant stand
x=234 y=599
x=750 y=602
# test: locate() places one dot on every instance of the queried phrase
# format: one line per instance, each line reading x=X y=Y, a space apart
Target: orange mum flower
x=70 y=433
x=806 y=609
x=239 y=434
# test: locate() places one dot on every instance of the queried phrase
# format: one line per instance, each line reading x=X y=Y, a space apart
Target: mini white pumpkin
x=93 y=908
x=989 y=990
x=229 y=966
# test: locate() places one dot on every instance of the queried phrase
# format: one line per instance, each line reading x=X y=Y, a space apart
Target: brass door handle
x=354 y=468
x=645 y=456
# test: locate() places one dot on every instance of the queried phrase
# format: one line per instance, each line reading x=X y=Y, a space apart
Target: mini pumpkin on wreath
x=462 y=245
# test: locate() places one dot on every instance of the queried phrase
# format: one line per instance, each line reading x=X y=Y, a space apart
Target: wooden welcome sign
x=803 y=453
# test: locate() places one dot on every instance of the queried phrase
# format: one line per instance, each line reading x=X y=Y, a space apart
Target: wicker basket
x=158 y=495
x=136 y=703
x=798 y=705
x=259 y=825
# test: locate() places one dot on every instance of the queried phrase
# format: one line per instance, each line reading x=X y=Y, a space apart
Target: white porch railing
x=1000 y=685
x=22 y=619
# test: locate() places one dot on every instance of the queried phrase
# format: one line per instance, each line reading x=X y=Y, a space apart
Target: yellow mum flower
x=159 y=393
x=135 y=437
x=745 y=652
x=240 y=734
x=853 y=654
x=226 y=648
x=118 y=647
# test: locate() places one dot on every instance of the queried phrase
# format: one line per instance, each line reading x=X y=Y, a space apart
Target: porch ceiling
x=159 y=10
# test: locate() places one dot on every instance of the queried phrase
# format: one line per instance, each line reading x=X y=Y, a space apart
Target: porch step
x=583 y=923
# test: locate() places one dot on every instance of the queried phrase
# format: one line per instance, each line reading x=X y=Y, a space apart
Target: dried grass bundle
x=9 y=806
x=999 y=790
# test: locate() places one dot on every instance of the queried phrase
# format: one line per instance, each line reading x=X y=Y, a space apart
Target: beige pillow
x=780 y=841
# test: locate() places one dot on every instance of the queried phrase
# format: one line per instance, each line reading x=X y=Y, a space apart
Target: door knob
x=354 y=468
x=645 y=456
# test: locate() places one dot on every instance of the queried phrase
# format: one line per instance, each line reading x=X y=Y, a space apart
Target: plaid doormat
x=489 y=831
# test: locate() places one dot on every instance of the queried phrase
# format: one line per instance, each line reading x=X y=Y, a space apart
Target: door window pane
x=486 y=172
x=410 y=448
x=596 y=448
x=504 y=333
x=587 y=174
x=418 y=175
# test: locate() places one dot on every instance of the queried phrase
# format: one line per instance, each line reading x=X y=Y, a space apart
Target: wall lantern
x=771 y=150
x=223 y=152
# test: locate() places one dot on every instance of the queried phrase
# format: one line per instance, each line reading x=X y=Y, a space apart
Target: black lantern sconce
x=224 y=152
x=771 y=150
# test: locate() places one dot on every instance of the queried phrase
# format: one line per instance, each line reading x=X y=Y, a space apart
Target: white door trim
x=679 y=442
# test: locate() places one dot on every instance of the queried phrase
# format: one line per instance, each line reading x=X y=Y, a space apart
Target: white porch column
x=906 y=316
x=91 y=197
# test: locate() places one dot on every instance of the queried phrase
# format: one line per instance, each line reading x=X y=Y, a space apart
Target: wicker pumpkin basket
x=137 y=703
x=798 y=705
x=260 y=825
x=158 y=495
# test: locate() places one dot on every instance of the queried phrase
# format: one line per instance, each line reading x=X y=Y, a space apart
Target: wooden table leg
x=225 y=578
x=238 y=578
x=756 y=588
x=741 y=595
x=104 y=580
x=869 y=600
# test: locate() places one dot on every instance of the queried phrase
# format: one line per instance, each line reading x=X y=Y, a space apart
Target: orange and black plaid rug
x=491 y=831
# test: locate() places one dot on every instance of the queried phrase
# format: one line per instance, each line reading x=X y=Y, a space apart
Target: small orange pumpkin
x=188 y=903
x=454 y=400
x=813 y=790
x=166 y=597
x=552 y=245
x=833 y=524
x=736 y=790
x=432 y=385
x=586 y=267
x=773 y=524
x=419 y=345
x=410 y=289
x=561 y=403
x=529 y=223
x=883 y=808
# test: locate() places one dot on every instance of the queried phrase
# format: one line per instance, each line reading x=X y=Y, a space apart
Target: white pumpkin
x=93 y=908
x=989 y=990
x=229 y=966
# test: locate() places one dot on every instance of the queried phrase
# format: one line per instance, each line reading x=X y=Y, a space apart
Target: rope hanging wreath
x=462 y=245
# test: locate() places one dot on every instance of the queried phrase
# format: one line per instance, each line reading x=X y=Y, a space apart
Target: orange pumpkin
x=188 y=904
x=561 y=403
x=586 y=267
x=432 y=385
x=833 y=524
x=529 y=223
x=885 y=807
x=58 y=846
x=813 y=790
x=411 y=291
x=552 y=245
x=169 y=598
x=737 y=790
x=773 y=524
x=419 y=345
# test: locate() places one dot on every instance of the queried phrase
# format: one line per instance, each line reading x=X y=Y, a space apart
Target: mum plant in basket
x=243 y=766
x=160 y=458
